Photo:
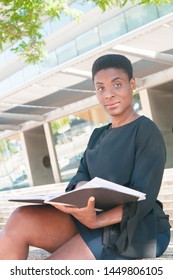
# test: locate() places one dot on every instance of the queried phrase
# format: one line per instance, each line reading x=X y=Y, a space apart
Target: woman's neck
x=117 y=121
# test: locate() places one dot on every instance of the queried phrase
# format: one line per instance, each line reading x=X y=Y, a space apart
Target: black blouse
x=132 y=155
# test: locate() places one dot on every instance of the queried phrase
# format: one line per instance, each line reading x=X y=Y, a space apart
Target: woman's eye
x=117 y=85
x=100 y=89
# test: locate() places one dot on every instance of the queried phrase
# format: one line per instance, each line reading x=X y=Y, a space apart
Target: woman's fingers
x=91 y=202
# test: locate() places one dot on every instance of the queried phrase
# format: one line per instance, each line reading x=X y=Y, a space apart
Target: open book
x=107 y=195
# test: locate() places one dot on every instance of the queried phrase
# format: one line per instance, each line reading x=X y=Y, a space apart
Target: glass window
x=30 y=72
x=164 y=9
x=4 y=85
x=137 y=103
x=140 y=15
x=12 y=165
x=112 y=28
x=66 y=52
x=48 y=63
x=2 y=58
x=16 y=78
x=9 y=54
x=88 y=41
x=71 y=135
x=82 y=6
x=57 y=23
x=46 y=29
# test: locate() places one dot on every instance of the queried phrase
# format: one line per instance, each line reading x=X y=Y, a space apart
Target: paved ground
x=37 y=254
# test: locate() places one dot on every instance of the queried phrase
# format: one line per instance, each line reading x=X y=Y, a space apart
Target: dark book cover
x=104 y=198
x=107 y=195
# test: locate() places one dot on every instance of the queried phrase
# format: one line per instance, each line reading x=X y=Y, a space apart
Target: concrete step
x=165 y=196
x=6 y=207
x=4 y=218
x=1 y=226
x=167 y=177
x=33 y=190
x=167 y=190
x=37 y=254
x=167 y=181
x=167 y=204
x=171 y=222
x=169 y=211
x=168 y=173
x=42 y=190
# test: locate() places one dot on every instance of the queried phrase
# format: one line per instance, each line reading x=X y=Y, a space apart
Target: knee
x=16 y=219
x=19 y=212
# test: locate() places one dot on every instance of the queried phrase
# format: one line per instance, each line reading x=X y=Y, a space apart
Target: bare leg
x=41 y=226
x=74 y=249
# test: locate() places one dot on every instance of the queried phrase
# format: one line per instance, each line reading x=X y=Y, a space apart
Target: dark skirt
x=94 y=240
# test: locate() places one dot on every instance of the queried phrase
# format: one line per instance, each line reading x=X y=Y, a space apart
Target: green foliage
x=2 y=147
x=157 y=2
x=56 y=125
x=6 y=148
x=110 y=3
x=21 y=22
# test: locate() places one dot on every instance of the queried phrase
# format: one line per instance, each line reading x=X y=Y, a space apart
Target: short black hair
x=117 y=61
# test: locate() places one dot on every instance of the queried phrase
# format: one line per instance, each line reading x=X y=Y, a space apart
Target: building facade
x=49 y=110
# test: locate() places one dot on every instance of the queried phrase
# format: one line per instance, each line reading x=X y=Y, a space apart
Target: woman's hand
x=87 y=215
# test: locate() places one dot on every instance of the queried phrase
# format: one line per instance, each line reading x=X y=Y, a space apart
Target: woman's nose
x=109 y=94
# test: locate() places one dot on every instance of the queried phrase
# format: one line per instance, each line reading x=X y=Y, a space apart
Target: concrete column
x=157 y=104
x=52 y=153
x=161 y=103
x=37 y=157
x=26 y=157
x=145 y=103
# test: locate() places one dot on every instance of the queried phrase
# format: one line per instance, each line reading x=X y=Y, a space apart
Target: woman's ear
x=133 y=84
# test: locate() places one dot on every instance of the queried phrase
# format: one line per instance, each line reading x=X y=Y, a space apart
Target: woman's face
x=114 y=90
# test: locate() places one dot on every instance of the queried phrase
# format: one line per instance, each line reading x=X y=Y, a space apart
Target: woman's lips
x=112 y=105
